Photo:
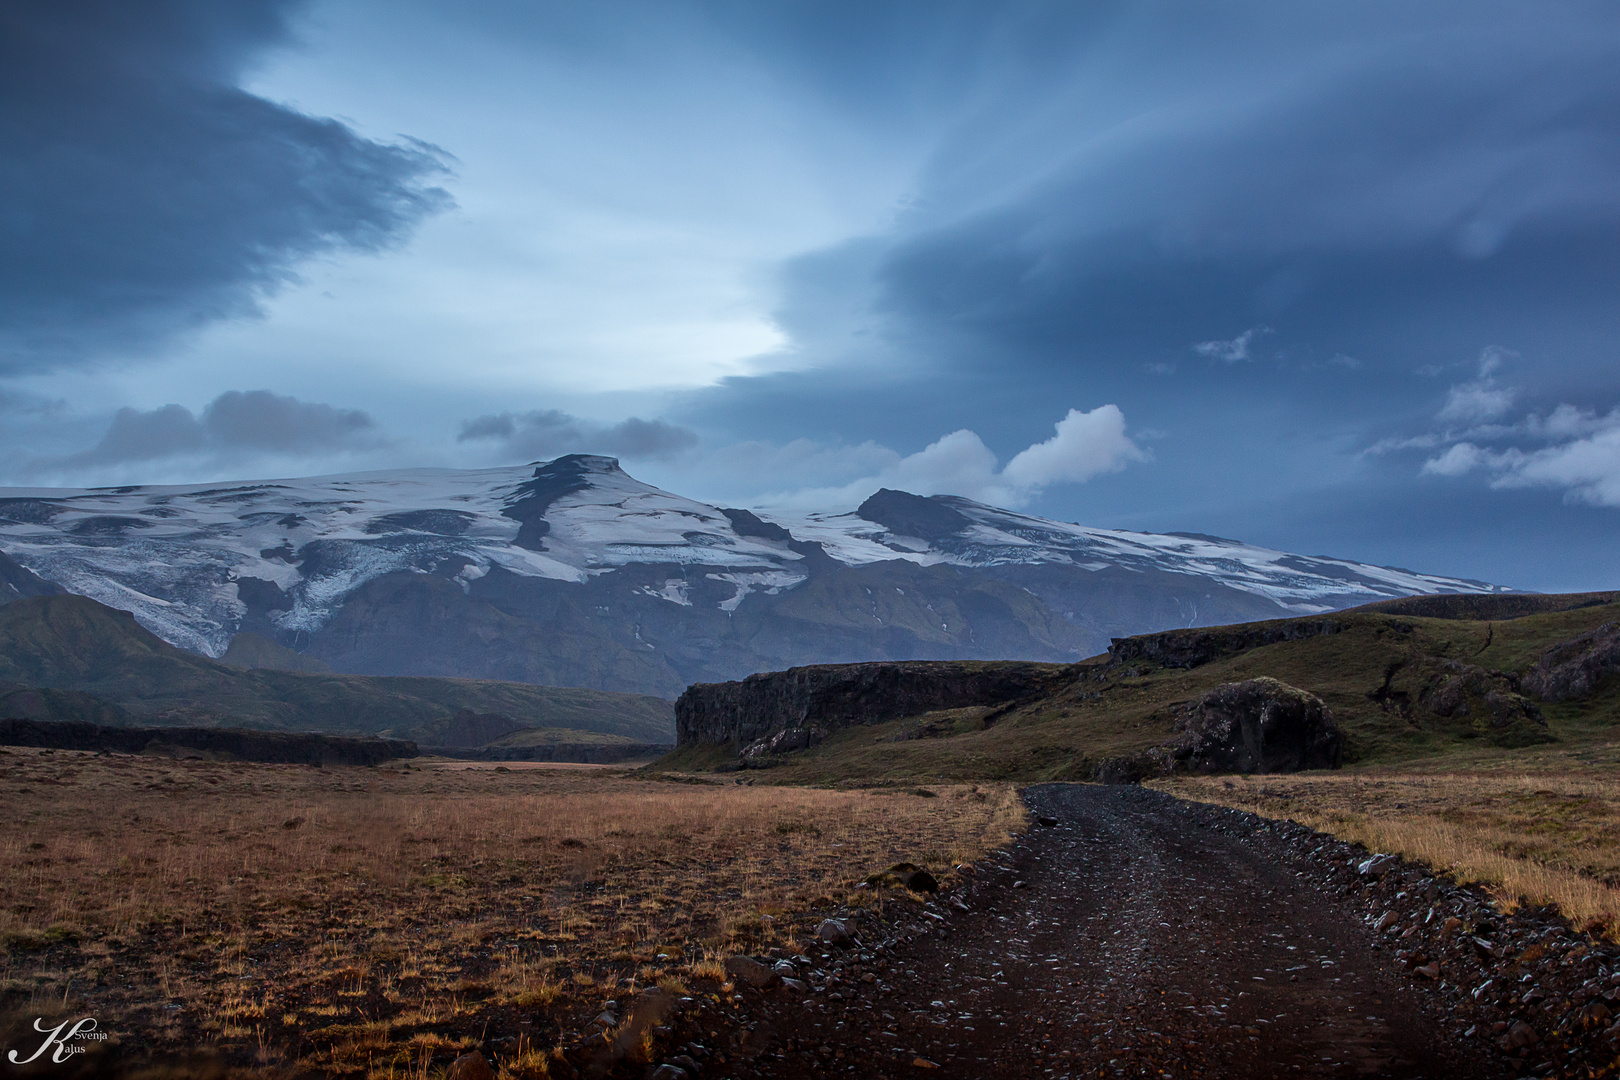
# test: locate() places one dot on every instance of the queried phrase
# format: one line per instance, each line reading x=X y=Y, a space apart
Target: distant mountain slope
x=73 y=643
x=573 y=573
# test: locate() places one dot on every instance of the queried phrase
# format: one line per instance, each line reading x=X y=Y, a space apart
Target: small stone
x=922 y=1063
x=752 y=972
x=1047 y=822
x=1521 y=1036
x=1388 y=919
x=1594 y=1014
x=1451 y=925
x=834 y=933
x=666 y=1071
x=687 y=1063
x=470 y=1067
x=1377 y=866
x=869 y=978
x=796 y=985
x=920 y=881
x=1430 y=970
x=1019 y=885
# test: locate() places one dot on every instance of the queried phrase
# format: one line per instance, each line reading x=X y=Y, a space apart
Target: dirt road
x=1123 y=938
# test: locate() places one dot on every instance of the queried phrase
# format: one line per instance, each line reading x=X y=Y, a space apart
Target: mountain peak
x=552 y=480
x=906 y=514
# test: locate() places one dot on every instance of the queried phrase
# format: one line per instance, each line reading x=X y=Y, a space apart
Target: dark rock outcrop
x=227 y=744
x=1192 y=648
x=1488 y=700
x=1259 y=725
x=1573 y=668
x=796 y=708
x=1256 y=726
x=930 y=518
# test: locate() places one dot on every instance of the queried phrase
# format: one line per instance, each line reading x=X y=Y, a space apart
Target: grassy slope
x=1064 y=735
x=74 y=643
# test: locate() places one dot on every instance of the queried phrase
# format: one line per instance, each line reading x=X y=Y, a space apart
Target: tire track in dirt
x=1127 y=939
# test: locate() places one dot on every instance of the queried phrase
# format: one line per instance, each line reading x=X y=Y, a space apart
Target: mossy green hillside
x=1381 y=674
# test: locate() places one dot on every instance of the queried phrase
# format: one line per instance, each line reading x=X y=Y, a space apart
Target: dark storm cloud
x=234 y=424
x=547 y=433
x=143 y=192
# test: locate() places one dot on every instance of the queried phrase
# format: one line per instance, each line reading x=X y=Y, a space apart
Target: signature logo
x=63 y=1041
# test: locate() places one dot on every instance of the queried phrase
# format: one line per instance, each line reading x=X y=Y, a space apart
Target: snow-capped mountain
x=574 y=573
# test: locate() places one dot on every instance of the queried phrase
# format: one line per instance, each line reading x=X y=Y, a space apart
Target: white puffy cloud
x=1584 y=459
x=1457 y=460
x=1587 y=469
x=1084 y=445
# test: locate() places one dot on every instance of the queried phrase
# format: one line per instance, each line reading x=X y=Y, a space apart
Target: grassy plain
x=1540 y=828
x=374 y=922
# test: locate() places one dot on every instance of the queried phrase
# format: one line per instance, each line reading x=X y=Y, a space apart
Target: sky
x=1337 y=279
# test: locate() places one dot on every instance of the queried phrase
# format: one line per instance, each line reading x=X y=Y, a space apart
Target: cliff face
x=798 y=707
x=1192 y=648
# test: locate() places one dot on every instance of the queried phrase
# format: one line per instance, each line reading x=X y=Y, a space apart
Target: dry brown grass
x=369 y=921
x=1537 y=838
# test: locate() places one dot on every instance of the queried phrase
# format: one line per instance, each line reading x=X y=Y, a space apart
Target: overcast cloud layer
x=1337 y=279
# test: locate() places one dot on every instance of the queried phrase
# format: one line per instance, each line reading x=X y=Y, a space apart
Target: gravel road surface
x=1122 y=937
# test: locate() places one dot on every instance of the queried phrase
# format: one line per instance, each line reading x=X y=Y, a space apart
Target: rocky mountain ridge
x=573 y=573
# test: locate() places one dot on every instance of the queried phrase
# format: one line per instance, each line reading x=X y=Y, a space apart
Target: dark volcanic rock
x=553 y=480
x=1573 y=668
x=1260 y=725
x=1257 y=726
x=746 y=523
x=787 y=707
x=1488 y=700
x=220 y=743
x=913 y=515
x=1191 y=648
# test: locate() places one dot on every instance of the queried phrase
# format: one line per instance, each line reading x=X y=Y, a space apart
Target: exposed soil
x=1132 y=936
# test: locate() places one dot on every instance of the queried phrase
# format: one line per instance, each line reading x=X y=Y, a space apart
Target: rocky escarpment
x=1255 y=726
x=223 y=744
x=1193 y=648
x=791 y=710
x=1573 y=668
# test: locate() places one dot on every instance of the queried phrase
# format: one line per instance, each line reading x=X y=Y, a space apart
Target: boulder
x=1573 y=668
x=752 y=972
x=1257 y=726
x=834 y=933
x=919 y=880
x=1488 y=701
